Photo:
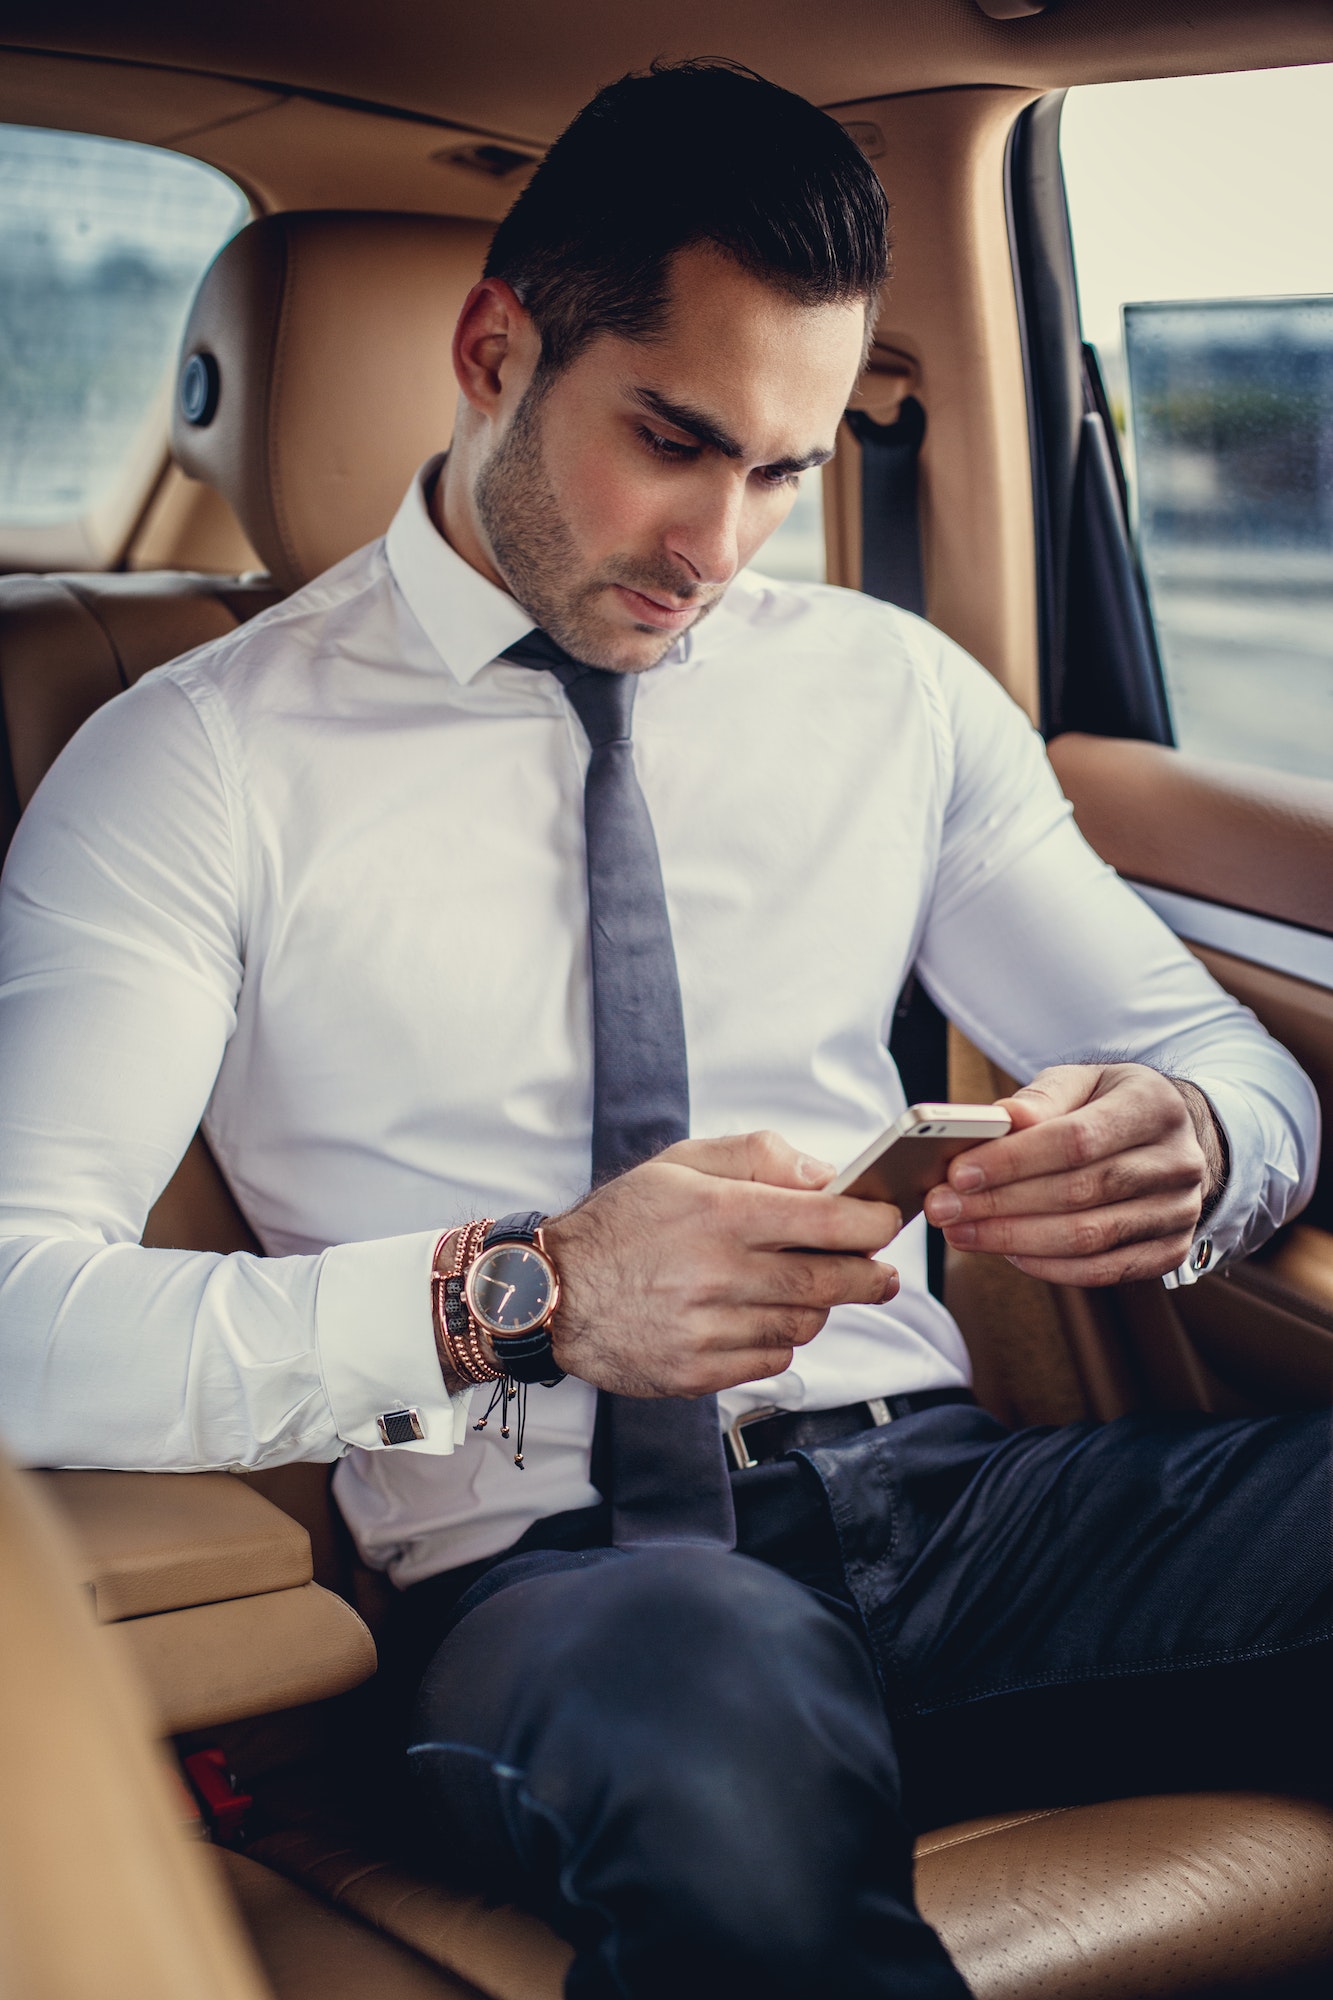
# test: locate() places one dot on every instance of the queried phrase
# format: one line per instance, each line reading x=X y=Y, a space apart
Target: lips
x=645 y=610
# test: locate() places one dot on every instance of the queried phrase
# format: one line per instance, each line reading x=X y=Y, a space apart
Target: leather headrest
x=315 y=375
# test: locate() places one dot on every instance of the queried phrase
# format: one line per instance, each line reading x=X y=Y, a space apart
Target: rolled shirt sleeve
x=1042 y=955
x=122 y=940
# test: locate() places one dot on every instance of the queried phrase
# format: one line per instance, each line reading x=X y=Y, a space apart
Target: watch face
x=511 y=1288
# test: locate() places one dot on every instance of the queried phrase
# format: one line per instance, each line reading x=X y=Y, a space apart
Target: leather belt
x=761 y=1435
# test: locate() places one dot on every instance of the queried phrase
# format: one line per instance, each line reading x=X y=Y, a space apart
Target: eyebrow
x=707 y=432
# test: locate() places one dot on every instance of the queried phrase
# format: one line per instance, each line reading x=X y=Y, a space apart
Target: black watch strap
x=525 y=1357
x=528 y=1357
x=520 y=1227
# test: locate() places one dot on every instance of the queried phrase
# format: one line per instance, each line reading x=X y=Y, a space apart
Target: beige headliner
x=522 y=67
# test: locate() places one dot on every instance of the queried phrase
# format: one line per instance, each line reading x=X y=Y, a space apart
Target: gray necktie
x=668 y=1477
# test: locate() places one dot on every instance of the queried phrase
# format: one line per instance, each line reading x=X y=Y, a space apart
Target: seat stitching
x=987 y=1832
x=84 y=598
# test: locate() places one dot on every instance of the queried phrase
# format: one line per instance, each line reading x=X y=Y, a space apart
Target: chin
x=652 y=649
x=625 y=649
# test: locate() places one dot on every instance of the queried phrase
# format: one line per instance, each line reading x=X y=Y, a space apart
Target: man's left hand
x=1102 y=1178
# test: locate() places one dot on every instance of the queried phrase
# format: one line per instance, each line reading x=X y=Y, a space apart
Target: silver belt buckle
x=880 y=1413
x=740 y=1451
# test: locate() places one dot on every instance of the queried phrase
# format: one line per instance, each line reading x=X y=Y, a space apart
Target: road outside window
x=101 y=247
x=1204 y=256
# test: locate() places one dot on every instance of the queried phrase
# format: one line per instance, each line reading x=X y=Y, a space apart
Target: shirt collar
x=468 y=620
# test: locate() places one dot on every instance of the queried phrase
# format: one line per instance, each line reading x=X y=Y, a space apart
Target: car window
x=101 y=247
x=1204 y=260
x=796 y=549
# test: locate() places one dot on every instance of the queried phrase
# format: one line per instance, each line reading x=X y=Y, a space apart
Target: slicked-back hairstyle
x=688 y=153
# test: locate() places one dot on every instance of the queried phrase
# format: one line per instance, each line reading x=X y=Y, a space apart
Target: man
x=340 y=896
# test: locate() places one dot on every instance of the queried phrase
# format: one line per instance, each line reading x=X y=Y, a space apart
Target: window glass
x=1205 y=275
x=101 y=247
x=796 y=549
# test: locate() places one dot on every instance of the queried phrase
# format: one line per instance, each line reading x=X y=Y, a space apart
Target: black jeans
x=708 y=1770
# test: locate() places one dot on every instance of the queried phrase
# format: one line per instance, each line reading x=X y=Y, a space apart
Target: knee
x=726 y=1711
x=732 y=1644
x=701 y=1733
x=674 y=1658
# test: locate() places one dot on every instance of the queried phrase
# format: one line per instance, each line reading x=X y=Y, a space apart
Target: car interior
x=184 y=1658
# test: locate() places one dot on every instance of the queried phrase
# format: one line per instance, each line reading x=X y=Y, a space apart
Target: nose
x=707 y=538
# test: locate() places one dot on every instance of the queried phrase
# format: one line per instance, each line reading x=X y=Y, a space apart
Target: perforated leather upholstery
x=1135 y=1899
x=1131 y=1900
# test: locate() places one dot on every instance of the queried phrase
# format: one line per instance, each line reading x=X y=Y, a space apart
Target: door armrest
x=207 y=1588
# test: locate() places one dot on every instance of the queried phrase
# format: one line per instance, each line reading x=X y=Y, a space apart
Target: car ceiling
x=521 y=68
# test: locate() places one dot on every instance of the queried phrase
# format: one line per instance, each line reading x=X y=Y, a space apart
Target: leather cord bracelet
x=504 y=1338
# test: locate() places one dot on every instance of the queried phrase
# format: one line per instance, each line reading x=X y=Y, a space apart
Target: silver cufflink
x=1201 y=1256
x=400 y=1426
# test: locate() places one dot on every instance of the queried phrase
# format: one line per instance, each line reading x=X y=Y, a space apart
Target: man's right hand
x=678 y=1279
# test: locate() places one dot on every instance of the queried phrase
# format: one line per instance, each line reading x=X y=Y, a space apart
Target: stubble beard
x=536 y=553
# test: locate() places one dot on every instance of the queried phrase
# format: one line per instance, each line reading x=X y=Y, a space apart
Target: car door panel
x=1232 y=834
x=1235 y=854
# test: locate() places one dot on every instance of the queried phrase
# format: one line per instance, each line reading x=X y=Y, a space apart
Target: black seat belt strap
x=890 y=519
x=891 y=569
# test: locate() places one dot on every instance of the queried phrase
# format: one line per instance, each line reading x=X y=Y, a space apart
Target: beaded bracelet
x=458 y=1340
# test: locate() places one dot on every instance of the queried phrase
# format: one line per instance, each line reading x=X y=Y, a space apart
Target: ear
x=496 y=346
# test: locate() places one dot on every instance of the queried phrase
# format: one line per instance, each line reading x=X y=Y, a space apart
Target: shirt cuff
x=1222 y=1233
x=376 y=1348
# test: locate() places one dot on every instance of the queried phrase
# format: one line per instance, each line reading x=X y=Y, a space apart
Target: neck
x=454 y=517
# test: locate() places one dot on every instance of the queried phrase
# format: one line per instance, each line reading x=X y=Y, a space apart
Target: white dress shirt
x=322 y=882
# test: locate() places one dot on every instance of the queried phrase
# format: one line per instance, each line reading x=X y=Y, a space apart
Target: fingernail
x=968 y=1178
x=944 y=1206
x=811 y=1169
x=963 y=1236
x=890 y=1287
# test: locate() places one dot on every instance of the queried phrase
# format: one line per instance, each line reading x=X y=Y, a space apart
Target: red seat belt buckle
x=224 y=1804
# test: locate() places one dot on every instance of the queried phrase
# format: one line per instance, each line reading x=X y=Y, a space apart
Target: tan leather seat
x=329 y=335
x=310 y=1951
x=102 y=1897
x=1140 y=1898
x=1224 y=1892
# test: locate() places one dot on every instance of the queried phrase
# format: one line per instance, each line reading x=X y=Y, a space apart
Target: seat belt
x=890 y=520
x=891 y=569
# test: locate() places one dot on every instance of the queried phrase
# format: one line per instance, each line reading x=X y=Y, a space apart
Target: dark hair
x=690 y=153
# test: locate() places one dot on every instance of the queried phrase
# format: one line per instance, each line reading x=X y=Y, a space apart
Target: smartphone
x=908 y=1160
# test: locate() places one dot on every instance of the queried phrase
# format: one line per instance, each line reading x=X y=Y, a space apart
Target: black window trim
x=1099 y=665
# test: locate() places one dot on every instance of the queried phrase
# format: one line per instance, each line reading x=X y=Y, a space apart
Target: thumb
x=752 y=1156
x=1051 y=1094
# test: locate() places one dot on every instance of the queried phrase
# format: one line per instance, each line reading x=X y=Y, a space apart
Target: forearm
x=114 y=1355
